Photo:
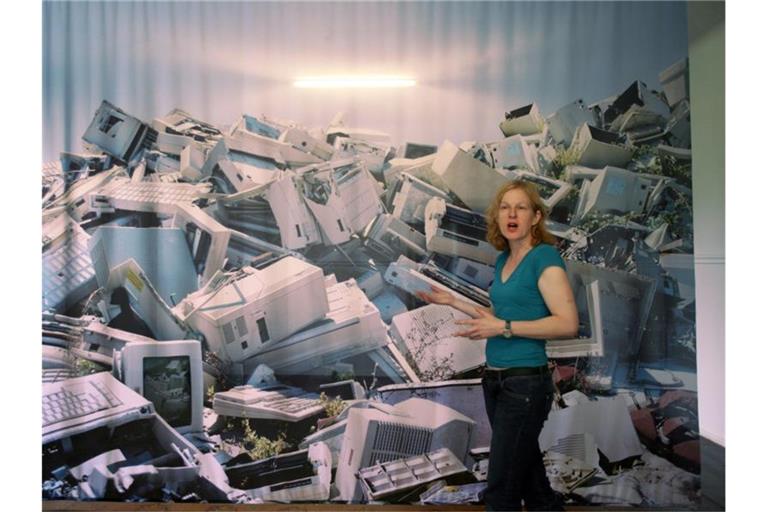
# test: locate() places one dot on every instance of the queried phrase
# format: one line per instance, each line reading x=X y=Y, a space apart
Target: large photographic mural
x=230 y=307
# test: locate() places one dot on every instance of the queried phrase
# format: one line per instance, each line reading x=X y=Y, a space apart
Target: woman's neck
x=518 y=248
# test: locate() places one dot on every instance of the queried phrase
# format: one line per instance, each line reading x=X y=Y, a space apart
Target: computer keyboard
x=278 y=402
x=74 y=402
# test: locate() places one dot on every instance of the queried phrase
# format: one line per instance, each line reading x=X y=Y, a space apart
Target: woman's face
x=516 y=216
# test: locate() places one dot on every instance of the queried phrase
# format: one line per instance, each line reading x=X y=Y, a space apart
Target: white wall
x=706 y=36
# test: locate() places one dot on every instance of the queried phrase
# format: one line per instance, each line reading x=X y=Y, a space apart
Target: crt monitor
x=170 y=375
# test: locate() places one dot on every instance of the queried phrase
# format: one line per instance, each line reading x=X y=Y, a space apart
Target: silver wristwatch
x=507 y=332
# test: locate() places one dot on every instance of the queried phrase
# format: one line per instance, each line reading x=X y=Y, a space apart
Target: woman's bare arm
x=562 y=323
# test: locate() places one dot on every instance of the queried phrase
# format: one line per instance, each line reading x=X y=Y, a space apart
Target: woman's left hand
x=484 y=325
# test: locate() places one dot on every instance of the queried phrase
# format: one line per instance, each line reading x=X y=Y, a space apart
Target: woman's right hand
x=436 y=296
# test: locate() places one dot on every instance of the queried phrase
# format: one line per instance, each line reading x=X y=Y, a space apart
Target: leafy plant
x=260 y=447
x=563 y=159
x=332 y=406
x=85 y=367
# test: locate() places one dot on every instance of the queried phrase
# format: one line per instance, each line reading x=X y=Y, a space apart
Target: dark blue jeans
x=517 y=408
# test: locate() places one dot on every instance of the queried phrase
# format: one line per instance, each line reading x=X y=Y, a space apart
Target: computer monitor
x=616 y=191
x=474 y=182
x=598 y=148
x=145 y=300
x=207 y=239
x=162 y=253
x=525 y=120
x=170 y=375
x=385 y=433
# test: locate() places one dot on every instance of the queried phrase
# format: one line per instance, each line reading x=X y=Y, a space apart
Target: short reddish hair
x=539 y=231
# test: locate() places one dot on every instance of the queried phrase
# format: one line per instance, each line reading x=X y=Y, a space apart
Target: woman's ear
x=537 y=218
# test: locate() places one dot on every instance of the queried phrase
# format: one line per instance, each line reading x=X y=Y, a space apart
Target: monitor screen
x=168 y=385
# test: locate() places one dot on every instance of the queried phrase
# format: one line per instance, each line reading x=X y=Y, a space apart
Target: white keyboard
x=76 y=401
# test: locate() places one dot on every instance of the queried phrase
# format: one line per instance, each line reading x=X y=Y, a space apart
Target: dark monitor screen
x=168 y=385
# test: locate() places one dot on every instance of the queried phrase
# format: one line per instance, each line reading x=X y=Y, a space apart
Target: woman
x=531 y=301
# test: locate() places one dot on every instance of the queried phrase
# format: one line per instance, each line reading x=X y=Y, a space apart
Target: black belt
x=516 y=372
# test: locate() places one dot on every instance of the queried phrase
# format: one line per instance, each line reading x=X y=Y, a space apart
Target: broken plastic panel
x=372 y=154
x=244 y=250
x=242 y=164
x=180 y=122
x=675 y=82
x=191 y=162
x=302 y=140
x=118 y=133
x=679 y=127
x=402 y=480
x=342 y=197
x=420 y=168
x=76 y=199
